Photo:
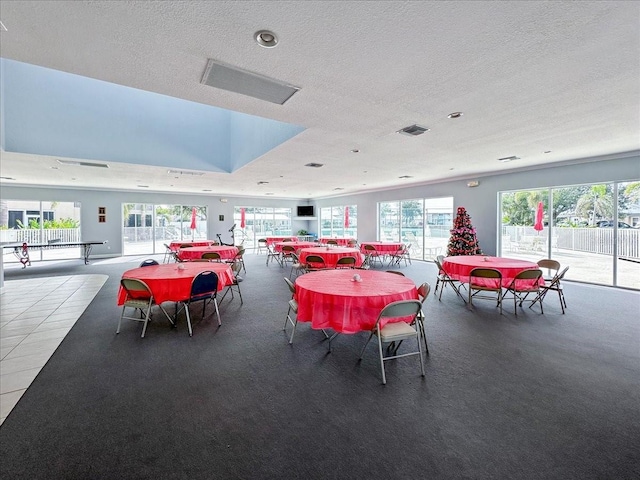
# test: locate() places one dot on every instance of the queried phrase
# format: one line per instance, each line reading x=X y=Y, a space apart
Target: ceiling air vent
x=82 y=164
x=226 y=77
x=413 y=130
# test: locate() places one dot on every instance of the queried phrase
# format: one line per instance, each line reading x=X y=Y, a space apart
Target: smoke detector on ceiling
x=413 y=130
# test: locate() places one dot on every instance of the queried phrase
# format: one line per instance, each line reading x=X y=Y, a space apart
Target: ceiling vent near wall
x=82 y=164
x=226 y=77
x=413 y=130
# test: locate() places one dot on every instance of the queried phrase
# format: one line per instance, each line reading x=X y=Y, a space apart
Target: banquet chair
x=352 y=243
x=346 y=262
x=423 y=293
x=373 y=255
x=297 y=266
x=332 y=242
x=236 y=267
x=167 y=254
x=397 y=331
x=262 y=245
x=443 y=279
x=293 y=307
x=139 y=297
x=315 y=263
x=523 y=284
x=211 y=256
x=149 y=262
x=287 y=255
x=483 y=281
x=204 y=288
x=273 y=255
x=554 y=286
x=239 y=258
x=552 y=268
x=399 y=255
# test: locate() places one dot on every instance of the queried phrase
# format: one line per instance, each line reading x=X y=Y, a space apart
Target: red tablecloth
x=273 y=240
x=296 y=245
x=169 y=283
x=383 y=248
x=344 y=241
x=331 y=299
x=193 y=253
x=175 y=246
x=460 y=266
x=331 y=255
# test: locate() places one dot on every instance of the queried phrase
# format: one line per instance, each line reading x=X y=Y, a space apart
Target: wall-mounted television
x=305 y=211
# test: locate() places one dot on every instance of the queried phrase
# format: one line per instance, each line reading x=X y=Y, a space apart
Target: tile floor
x=35 y=316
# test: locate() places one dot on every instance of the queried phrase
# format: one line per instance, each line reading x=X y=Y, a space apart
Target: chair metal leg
x=384 y=377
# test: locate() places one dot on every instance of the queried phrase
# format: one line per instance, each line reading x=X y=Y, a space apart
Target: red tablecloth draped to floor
x=171 y=282
x=343 y=241
x=331 y=299
x=460 y=266
x=175 y=246
x=194 y=253
x=383 y=248
x=331 y=255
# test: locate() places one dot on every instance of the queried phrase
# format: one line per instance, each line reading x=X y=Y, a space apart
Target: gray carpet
x=529 y=397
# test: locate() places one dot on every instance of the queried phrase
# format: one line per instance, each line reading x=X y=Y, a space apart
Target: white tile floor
x=35 y=316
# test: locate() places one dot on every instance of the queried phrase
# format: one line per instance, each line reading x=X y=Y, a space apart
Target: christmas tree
x=463 y=239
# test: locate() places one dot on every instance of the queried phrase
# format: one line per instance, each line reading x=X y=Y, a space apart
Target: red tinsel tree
x=463 y=239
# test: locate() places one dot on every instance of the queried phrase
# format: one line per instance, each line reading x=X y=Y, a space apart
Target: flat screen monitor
x=305 y=211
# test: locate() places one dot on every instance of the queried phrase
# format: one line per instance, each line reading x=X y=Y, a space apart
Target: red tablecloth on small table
x=383 y=248
x=460 y=266
x=175 y=246
x=194 y=253
x=331 y=299
x=171 y=283
x=331 y=255
x=343 y=241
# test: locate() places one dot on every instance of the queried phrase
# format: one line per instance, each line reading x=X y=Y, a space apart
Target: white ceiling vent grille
x=82 y=164
x=413 y=130
x=226 y=77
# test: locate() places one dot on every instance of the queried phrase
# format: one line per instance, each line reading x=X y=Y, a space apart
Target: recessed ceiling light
x=508 y=159
x=314 y=165
x=455 y=115
x=265 y=38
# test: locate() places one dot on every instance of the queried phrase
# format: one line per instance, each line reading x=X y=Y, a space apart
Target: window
x=146 y=228
x=339 y=221
x=585 y=227
x=423 y=224
x=260 y=222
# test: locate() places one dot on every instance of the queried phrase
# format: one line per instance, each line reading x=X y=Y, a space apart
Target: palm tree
x=596 y=203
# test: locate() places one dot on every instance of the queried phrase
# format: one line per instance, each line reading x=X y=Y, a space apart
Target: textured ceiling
x=530 y=77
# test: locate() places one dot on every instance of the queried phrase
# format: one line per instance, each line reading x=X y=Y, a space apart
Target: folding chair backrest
x=395 y=272
x=236 y=267
x=136 y=289
x=315 y=259
x=549 y=264
x=332 y=242
x=291 y=286
x=401 y=308
x=526 y=276
x=556 y=280
x=346 y=261
x=204 y=285
x=148 y=262
x=370 y=248
x=423 y=291
x=491 y=273
x=288 y=249
x=211 y=256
